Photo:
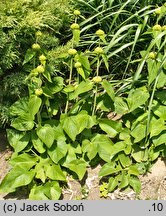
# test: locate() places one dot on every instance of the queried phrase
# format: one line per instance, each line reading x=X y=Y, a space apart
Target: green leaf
x=71 y=155
x=104 y=146
x=138 y=154
x=160 y=111
x=104 y=103
x=153 y=68
x=105 y=60
x=74 y=125
x=28 y=56
x=107 y=151
x=78 y=166
x=17 y=177
x=83 y=87
x=108 y=87
x=48 y=191
x=124 y=180
x=154 y=153
x=133 y=170
x=58 y=151
x=161 y=80
x=34 y=104
x=47 y=92
x=24 y=160
x=124 y=134
x=37 y=143
x=124 y=159
x=18 y=140
x=137 y=98
x=112 y=128
x=46 y=134
x=20 y=107
x=156 y=126
x=113 y=183
x=139 y=132
x=54 y=172
x=71 y=127
x=47 y=73
x=40 y=171
x=160 y=139
x=23 y=123
x=83 y=59
x=135 y=183
x=161 y=96
x=59 y=134
x=121 y=106
x=90 y=148
x=81 y=72
x=109 y=168
x=56 y=85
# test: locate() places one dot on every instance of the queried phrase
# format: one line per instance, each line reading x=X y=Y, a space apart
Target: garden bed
x=153 y=183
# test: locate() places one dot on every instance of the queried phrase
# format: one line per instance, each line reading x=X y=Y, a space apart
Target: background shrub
x=19 y=20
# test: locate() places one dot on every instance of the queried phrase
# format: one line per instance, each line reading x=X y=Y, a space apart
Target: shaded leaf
x=135 y=183
x=48 y=191
x=29 y=55
x=17 y=177
x=112 y=128
x=108 y=87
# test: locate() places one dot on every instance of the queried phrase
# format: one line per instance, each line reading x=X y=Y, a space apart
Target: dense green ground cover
x=88 y=85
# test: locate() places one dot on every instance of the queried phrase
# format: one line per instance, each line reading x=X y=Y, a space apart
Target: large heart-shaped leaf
x=34 y=104
x=24 y=160
x=46 y=134
x=58 y=151
x=24 y=122
x=18 y=140
x=17 y=177
x=77 y=166
x=137 y=98
x=112 y=128
x=48 y=191
x=55 y=172
x=109 y=168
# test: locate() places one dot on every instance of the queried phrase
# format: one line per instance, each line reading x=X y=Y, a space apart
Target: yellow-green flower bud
x=38 y=33
x=77 y=12
x=100 y=33
x=38 y=92
x=74 y=26
x=97 y=79
x=77 y=65
x=42 y=58
x=152 y=55
x=35 y=46
x=72 y=51
x=40 y=69
x=157 y=27
x=98 y=50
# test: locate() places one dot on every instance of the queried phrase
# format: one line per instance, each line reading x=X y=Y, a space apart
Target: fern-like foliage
x=19 y=21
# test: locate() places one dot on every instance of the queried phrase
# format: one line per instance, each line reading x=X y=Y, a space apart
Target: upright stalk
x=96 y=88
x=70 y=78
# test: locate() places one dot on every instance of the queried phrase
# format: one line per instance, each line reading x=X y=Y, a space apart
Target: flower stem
x=70 y=78
x=96 y=89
